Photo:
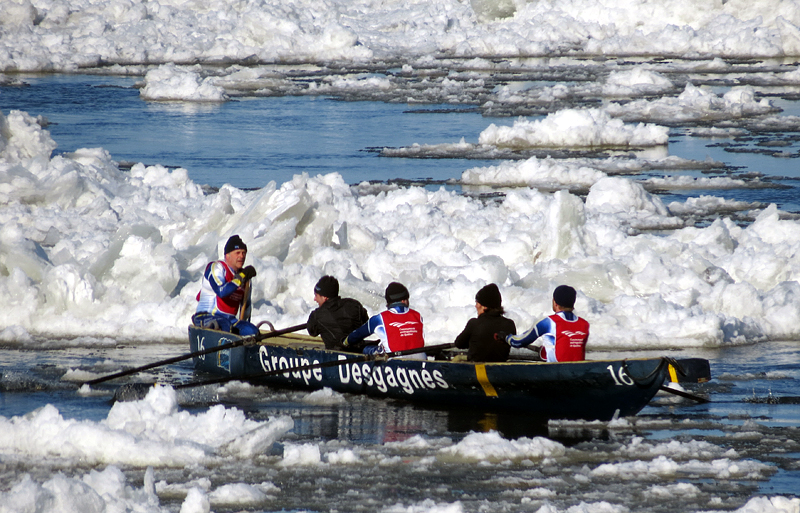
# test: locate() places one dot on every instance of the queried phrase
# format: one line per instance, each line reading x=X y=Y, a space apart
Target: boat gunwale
x=300 y=341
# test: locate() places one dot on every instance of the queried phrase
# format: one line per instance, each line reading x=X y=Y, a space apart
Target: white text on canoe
x=382 y=377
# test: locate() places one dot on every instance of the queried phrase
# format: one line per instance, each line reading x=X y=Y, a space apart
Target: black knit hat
x=234 y=243
x=395 y=292
x=327 y=286
x=564 y=296
x=489 y=296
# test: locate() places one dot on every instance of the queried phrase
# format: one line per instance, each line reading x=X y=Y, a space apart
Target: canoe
x=588 y=390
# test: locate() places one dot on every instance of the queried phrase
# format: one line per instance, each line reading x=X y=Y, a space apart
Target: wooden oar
x=236 y=343
x=244 y=305
x=334 y=363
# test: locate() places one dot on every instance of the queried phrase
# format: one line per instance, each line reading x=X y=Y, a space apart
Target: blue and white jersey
x=404 y=330
x=545 y=328
x=222 y=292
x=563 y=337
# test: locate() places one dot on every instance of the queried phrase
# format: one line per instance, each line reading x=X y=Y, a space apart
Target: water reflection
x=369 y=421
x=182 y=108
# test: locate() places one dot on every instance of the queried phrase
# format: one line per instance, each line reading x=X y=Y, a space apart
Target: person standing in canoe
x=224 y=297
x=563 y=334
x=336 y=317
x=480 y=335
x=398 y=327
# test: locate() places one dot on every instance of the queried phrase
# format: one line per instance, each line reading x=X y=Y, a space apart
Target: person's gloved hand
x=500 y=336
x=248 y=273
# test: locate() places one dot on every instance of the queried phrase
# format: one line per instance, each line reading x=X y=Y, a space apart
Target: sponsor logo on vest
x=406 y=329
x=401 y=324
x=382 y=377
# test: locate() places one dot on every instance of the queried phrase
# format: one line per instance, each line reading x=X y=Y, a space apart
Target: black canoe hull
x=590 y=390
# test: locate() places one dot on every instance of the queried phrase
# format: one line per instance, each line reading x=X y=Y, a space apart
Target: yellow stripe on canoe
x=483 y=379
x=673 y=374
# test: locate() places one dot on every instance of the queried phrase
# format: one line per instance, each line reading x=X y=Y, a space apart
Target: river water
x=245 y=143
x=676 y=455
x=699 y=456
x=251 y=141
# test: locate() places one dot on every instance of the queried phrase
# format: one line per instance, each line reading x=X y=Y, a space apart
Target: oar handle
x=236 y=343
x=332 y=363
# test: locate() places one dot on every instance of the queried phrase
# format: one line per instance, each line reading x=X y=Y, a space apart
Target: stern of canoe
x=592 y=390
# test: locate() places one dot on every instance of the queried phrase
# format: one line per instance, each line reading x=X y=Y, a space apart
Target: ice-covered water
x=242 y=448
x=86 y=231
x=644 y=152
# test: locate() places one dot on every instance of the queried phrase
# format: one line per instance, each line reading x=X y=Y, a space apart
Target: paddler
x=224 y=297
x=399 y=328
x=336 y=316
x=563 y=334
x=480 y=335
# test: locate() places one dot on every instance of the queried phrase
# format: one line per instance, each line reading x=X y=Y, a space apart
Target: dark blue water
x=248 y=142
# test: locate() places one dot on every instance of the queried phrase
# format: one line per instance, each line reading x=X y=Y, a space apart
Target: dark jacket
x=478 y=336
x=335 y=319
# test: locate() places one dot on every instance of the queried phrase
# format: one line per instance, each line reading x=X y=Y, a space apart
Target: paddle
x=236 y=343
x=136 y=391
x=684 y=394
x=243 y=306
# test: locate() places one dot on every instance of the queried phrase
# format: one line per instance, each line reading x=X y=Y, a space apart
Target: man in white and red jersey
x=398 y=327
x=224 y=298
x=563 y=334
